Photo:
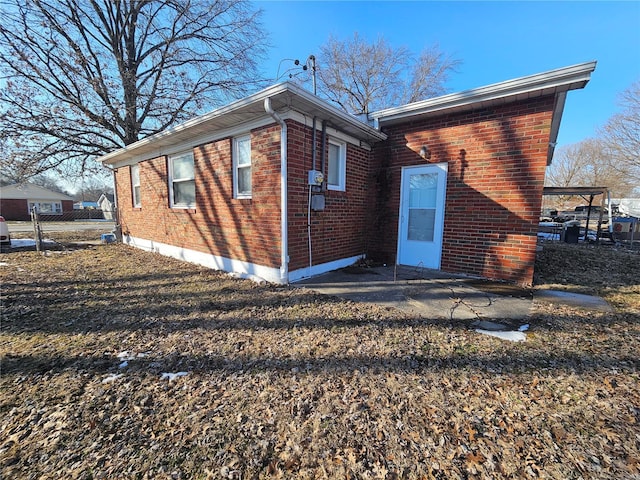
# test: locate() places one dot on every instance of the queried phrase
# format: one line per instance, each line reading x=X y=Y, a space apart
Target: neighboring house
x=452 y=183
x=85 y=205
x=16 y=202
x=106 y=203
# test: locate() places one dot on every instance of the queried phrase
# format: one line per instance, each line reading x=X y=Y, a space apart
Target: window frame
x=135 y=198
x=237 y=166
x=341 y=186
x=172 y=180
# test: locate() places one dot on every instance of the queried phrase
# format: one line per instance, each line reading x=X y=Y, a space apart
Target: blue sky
x=496 y=41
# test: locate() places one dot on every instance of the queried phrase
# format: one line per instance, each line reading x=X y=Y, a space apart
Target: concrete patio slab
x=428 y=293
x=587 y=302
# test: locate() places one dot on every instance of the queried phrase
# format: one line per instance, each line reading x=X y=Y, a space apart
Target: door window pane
x=422 y=190
x=422 y=206
x=421 y=224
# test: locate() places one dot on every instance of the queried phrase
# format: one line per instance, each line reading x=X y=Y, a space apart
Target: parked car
x=5 y=238
x=594 y=209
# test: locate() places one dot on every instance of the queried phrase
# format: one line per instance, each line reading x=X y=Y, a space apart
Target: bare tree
x=361 y=77
x=83 y=77
x=90 y=189
x=50 y=183
x=588 y=164
x=621 y=134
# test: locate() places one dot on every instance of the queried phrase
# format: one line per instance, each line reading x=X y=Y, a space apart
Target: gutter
x=284 y=256
x=551 y=82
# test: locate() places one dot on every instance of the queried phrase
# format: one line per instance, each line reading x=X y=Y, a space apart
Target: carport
x=588 y=194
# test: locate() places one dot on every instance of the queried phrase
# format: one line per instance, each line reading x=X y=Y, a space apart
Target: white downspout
x=117 y=229
x=284 y=267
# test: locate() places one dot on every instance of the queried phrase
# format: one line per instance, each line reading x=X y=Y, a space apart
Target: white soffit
x=247 y=112
x=541 y=84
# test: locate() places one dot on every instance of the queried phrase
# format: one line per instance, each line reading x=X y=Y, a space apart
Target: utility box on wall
x=317 y=202
x=315 y=178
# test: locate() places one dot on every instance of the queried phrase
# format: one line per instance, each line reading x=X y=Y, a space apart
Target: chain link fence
x=60 y=231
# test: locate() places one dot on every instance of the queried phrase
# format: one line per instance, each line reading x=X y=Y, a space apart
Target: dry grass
x=65 y=239
x=284 y=383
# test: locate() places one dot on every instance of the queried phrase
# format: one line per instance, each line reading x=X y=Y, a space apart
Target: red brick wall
x=249 y=230
x=14 y=209
x=496 y=159
x=67 y=206
x=18 y=209
x=340 y=230
x=243 y=229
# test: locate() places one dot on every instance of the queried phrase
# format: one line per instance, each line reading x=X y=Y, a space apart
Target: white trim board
x=193 y=143
x=306 y=272
x=240 y=129
x=238 y=268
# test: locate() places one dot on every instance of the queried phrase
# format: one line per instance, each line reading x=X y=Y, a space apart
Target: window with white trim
x=242 y=167
x=135 y=185
x=337 y=165
x=182 y=181
x=48 y=208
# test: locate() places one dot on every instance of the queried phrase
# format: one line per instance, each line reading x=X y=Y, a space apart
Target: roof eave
x=298 y=95
x=552 y=82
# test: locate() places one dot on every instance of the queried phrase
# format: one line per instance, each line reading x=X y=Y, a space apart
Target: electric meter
x=315 y=177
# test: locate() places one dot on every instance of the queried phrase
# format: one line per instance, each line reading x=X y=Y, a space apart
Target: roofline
x=256 y=98
x=574 y=190
x=334 y=111
x=561 y=79
x=55 y=195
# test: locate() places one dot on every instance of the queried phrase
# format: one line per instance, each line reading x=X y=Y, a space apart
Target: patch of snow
x=248 y=276
x=126 y=355
x=4 y=264
x=27 y=242
x=123 y=364
x=523 y=328
x=112 y=377
x=510 y=335
x=173 y=376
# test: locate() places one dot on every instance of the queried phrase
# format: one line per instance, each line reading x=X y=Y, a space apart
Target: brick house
x=282 y=185
x=17 y=200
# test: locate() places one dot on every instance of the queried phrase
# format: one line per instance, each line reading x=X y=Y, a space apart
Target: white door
x=422 y=194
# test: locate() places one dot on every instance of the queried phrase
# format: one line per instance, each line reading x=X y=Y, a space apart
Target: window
x=48 y=208
x=182 y=183
x=336 y=167
x=242 y=167
x=135 y=185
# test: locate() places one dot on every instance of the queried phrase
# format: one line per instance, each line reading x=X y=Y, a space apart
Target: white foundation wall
x=308 y=272
x=237 y=267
